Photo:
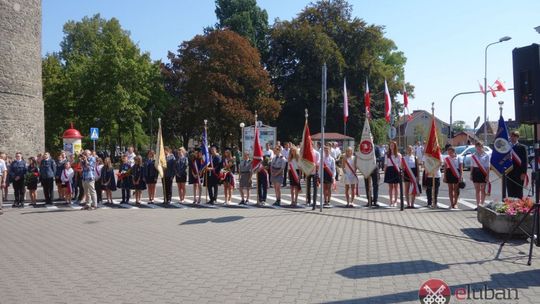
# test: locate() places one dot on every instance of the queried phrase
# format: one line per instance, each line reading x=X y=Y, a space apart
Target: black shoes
x=277 y=203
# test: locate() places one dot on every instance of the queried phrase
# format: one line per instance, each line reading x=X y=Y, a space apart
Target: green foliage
x=458 y=126
x=379 y=130
x=325 y=32
x=101 y=79
x=245 y=18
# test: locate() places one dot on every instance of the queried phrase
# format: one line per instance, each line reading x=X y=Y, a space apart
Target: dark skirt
x=151 y=180
x=391 y=175
x=195 y=179
x=478 y=176
x=450 y=177
x=140 y=186
x=125 y=183
x=32 y=184
x=406 y=176
x=182 y=178
x=292 y=182
x=327 y=178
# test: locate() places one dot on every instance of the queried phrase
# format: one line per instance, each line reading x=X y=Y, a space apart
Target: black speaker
x=527 y=83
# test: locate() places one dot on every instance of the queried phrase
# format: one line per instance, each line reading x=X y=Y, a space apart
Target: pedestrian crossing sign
x=94 y=133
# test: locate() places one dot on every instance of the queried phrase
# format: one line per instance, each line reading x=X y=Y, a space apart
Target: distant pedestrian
x=244 y=169
x=62 y=159
x=350 y=178
x=329 y=174
x=392 y=167
x=88 y=163
x=294 y=176
x=180 y=170
x=31 y=179
x=17 y=171
x=137 y=179
x=453 y=175
x=277 y=165
x=124 y=180
x=47 y=171
x=150 y=175
x=480 y=173
x=66 y=178
x=108 y=180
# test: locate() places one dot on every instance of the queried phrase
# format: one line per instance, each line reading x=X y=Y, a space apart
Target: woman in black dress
x=392 y=165
x=31 y=179
x=137 y=179
x=150 y=175
x=108 y=181
x=180 y=168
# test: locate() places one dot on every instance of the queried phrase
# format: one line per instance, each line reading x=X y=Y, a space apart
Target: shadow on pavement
x=519 y=280
x=219 y=220
x=391 y=269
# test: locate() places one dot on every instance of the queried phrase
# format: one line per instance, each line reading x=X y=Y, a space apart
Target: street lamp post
x=242 y=125
x=502 y=39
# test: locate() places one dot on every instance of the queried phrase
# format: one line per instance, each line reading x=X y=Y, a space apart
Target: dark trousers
x=79 y=190
x=167 y=192
x=285 y=173
x=18 y=188
x=514 y=186
x=311 y=184
x=213 y=191
x=126 y=194
x=262 y=188
x=374 y=185
x=98 y=190
x=48 y=187
x=429 y=188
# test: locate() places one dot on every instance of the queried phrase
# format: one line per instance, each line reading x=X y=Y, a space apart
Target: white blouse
x=484 y=160
x=396 y=159
x=410 y=160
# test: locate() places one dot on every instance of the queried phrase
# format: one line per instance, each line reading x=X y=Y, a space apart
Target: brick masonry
x=21 y=104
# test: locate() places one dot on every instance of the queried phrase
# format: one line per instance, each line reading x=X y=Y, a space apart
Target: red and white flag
x=432 y=150
x=367 y=101
x=257 y=151
x=387 y=103
x=481 y=88
x=500 y=86
x=492 y=91
x=345 y=102
x=405 y=98
x=307 y=159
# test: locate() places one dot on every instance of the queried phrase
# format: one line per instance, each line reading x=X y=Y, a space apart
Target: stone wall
x=21 y=103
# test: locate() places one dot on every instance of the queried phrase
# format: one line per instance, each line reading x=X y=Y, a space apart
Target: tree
x=218 y=76
x=100 y=78
x=245 y=18
x=459 y=126
x=326 y=32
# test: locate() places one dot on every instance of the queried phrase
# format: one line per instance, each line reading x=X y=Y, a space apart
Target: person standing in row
x=374 y=179
x=150 y=175
x=329 y=174
x=108 y=181
x=348 y=163
x=137 y=179
x=244 y=169
x=169 y=175
x=409 y=164
x=263 y=181
x=59 y=169
x=312 y=180
x=97 y=181
x=480 y=163
x=452 y=175
x=392 y=167
x=124 y=180
x=131 y=156
x=47 y=169
x=517 y=176
x=227 y=176
x=294 y=177
x=285 y=153
x=32 y=179
x=88 y=164
x=17 y=172
x=195 y=171
x=277 y=165
x=212 y=174
x=66 y=178
x=428 y=181
x=180 y=171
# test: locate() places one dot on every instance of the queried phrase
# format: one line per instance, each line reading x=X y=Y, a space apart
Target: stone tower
x=21 y=103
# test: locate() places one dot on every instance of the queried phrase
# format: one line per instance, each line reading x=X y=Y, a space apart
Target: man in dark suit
x=516 y=177
x=374 y=180
x=47 y=172
x=213 y=170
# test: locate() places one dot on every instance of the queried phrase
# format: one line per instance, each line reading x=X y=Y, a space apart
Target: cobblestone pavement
x=256 y=255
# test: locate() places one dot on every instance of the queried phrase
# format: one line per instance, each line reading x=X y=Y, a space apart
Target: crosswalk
x=337 y=201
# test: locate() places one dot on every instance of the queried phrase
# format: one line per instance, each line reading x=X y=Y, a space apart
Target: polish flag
x=307 y=158
x=481 y=88
x=257 y=151
x=367 y=101
x=405 y=97
x=387 y=103
x=500 y=86
x=345 y=102
x=492 y=91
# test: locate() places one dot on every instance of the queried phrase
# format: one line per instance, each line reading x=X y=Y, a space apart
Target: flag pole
x=163 y=183
x=503 y=184
x=257 y=173
x=434 y=204
x=323 y=120
x=206 y=160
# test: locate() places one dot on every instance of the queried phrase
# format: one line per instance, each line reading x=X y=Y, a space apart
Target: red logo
x=366 y=147
x=434 y=291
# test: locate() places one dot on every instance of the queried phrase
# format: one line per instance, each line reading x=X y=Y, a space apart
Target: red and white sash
x=68 y=182
x=195 y=173
x=412 y=178
x=263 y=170
x=354 y=174
x=393 y=163
x=484 y=172
x=294 y=174
x=453 y=169
x=517 y=161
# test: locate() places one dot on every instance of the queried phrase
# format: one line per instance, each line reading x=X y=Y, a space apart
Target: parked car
x=465 y=153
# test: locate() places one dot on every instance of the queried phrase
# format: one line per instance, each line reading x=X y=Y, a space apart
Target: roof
x=491 y=128
x=469 y=134
x=331 y=136
x=417 y=114
x=72 y=133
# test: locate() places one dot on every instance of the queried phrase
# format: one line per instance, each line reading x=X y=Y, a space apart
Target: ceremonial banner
x=307 y=159
x=367 y=100
x=432 y=153
x=365 y=157
x=501 y=158
x=159 y=158
x=345 y=102
x=257 y=151
x=204 y=149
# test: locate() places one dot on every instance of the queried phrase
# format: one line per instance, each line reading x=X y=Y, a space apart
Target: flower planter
x=501 y=223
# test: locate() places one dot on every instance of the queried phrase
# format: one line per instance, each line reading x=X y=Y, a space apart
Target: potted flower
x=502 y=217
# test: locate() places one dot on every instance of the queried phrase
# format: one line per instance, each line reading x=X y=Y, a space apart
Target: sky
x=444 y=41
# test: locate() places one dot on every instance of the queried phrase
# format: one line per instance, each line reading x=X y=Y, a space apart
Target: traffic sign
x=392 y=132
x=94 y=133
